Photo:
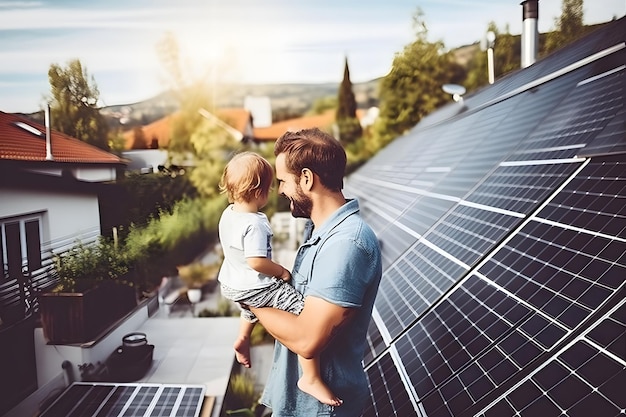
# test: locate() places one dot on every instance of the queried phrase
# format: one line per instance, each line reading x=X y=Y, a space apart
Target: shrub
x=241 y=395
x=84 y=266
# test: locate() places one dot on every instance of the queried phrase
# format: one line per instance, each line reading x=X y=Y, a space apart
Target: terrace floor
x=188 y=350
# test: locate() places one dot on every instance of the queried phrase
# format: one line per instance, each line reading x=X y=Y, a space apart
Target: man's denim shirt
x=339 y=262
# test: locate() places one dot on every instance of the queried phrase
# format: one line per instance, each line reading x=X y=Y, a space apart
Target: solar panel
x=503 y=235
x=84 y=399
x=521 y=309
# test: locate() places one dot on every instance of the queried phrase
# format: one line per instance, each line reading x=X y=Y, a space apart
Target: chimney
x=530 y=33
x=49 y=156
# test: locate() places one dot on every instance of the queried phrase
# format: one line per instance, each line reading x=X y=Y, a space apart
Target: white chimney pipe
x=530 y=33
x=49 y=156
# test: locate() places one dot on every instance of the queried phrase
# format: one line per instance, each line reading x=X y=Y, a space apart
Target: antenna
x=486 y=44
x=455 y=90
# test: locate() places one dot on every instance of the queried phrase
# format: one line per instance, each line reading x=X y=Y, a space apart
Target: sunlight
x=235 y=54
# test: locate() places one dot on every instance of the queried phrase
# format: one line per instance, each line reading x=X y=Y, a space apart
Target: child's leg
x=311 y=382
x=242 y=343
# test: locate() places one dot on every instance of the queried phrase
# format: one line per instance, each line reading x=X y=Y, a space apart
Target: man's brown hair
x=316 y=150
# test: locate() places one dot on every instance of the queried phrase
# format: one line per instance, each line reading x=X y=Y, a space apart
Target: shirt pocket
x=300 y=281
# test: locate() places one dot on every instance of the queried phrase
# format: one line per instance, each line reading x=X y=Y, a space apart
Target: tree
x=192 y=94
x=320 y=105
x=569 y=26
x=74 y=108
x=412 y=89
x=213 y=147
x=347 y=122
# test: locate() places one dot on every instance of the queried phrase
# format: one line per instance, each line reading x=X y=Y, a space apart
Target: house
x=237 y=121
x=49 y=187
x=324 y=121
x=240 y=120
x=158 y=133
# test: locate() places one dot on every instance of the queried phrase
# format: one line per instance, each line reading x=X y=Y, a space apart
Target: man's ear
x=306 y=179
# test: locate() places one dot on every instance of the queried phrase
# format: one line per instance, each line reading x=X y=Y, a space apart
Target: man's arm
x=306 y=334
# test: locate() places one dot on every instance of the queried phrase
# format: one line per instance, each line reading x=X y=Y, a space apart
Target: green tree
x=213 y=147
x=569 y=26
x=347 y=123
x=320 y=105
x=73 y=106
x=191 y=92
x=412 y=89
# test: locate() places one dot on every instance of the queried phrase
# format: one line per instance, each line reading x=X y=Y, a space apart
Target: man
x=337 y=268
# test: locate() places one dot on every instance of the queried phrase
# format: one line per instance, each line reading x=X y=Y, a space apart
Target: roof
x=239 y=118
x=22 y=139
x=502 y=226
x=321 y=121
x=273 y=132
x=161 y=129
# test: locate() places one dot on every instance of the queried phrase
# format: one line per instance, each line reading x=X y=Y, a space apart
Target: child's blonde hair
x=245 y=175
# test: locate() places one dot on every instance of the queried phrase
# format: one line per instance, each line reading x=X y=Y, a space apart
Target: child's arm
x=268 y=267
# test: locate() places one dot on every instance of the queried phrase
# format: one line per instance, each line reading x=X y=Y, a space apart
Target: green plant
x=242 y=397
x=196 y=274
x=224 y=309
x=84 y=266
x=260 y=335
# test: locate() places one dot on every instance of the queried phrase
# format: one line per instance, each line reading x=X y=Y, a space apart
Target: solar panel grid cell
x=83 y=399
x=611 y=139
x=581 y=380
x=388 y=395
x=375 y=343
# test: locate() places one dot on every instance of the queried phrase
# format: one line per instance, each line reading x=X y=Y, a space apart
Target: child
x=248 y=275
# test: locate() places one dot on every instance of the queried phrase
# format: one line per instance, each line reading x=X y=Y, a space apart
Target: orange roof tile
x=322 y=121
x=276 y=130
x=237 y=117
x=28 y=143
x=161 y=129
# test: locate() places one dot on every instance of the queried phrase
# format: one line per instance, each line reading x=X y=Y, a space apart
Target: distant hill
x=286 y=99
x=292 y=99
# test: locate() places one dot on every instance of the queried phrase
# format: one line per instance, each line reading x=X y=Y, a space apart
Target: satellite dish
x=456 y=90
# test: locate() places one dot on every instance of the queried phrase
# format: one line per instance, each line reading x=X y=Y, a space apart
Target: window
x=20 y=245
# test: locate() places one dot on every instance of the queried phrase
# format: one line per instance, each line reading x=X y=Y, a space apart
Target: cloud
x=269 y=41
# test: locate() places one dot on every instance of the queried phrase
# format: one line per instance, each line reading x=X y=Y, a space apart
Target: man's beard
x=301 y=205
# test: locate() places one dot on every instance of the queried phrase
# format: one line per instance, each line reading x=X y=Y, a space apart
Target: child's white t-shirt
x=242 y=236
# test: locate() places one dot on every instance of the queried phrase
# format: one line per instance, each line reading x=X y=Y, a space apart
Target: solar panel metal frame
x=108 y=399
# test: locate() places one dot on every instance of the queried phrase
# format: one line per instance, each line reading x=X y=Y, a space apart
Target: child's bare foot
x=319 y=390
x=242 y=351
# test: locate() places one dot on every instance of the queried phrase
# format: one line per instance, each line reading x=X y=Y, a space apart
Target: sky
x=247 y=41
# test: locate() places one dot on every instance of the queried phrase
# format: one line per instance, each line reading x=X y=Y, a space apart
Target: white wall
x=66 y=217
x=144 y=158
x=94 y=173
x=50 y=358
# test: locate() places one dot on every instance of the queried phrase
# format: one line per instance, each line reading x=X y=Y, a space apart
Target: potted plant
x=196 y=276
x=94 y=290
